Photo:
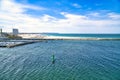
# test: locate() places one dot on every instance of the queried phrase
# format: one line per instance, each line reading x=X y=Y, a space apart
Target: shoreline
x=78 y=38
x=45 y=37
x=25 y=41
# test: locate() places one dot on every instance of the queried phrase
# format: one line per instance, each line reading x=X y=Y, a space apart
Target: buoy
x=53 y=59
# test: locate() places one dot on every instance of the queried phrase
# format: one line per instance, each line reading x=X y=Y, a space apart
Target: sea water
x=74 y=60
x=84 y=35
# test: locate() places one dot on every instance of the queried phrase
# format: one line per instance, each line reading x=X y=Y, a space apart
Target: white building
x=15 y=32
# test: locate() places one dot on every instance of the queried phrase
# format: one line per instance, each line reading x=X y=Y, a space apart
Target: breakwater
x=14 y=43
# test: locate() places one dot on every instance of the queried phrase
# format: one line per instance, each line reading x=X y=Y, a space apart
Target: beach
x=59 y=37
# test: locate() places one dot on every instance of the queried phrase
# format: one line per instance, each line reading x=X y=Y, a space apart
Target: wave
x=78 y=38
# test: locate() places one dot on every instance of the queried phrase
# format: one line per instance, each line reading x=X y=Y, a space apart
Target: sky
x=60 y=16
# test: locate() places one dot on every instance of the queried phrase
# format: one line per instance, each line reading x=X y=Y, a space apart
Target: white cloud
x=76 y=5
x=12 y=7
x=95 y=14
x=12 y=16
x=114 y=16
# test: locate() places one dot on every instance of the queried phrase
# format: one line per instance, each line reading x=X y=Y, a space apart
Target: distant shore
x=45 y=37
x=33 y=38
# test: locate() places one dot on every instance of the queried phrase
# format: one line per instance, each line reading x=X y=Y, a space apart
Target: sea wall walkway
x=14 y=43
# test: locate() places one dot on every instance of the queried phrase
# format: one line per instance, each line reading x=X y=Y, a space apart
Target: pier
x=15 y=43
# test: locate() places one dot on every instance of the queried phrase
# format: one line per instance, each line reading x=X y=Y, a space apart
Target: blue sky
x=54 y=7
x=63 y=16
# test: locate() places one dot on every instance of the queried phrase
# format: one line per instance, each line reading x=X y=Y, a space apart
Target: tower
x=0 y=32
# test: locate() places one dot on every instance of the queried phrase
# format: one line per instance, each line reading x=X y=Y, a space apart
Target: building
x=15 y=32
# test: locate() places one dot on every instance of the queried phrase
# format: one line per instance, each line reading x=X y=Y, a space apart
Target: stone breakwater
x=14 y=43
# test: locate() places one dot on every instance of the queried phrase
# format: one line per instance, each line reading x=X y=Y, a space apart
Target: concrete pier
x=14 y=43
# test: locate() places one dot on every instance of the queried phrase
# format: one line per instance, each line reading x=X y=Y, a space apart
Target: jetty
x=14 y=43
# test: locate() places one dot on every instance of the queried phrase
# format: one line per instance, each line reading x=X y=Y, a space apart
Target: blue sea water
x=74 y=60
x=84 y=35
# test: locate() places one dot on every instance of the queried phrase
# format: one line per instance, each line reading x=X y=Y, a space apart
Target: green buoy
x=53 y=59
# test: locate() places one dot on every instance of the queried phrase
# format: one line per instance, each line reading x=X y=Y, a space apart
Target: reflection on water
x=74 y=60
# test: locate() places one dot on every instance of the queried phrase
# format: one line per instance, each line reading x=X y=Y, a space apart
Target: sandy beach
x=40 y=36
